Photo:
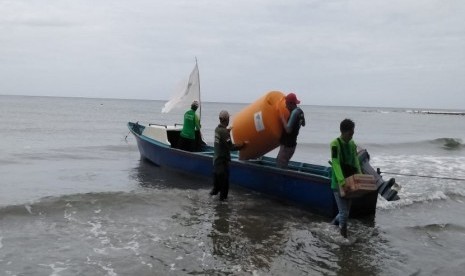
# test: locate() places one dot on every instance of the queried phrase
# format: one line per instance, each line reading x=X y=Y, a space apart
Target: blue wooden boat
x=302 y=184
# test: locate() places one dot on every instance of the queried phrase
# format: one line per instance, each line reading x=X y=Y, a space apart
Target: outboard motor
x=387 y=189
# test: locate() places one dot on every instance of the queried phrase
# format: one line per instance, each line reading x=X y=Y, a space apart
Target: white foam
x=109 y=269
x=456 y=190
x=147 y=264
x=55 y=270
x=101 y=251
x=437 y=195
x=28 y=208
x=96 y=229
x=237 y=268
x=68 y=215
x=407 y=199
x=104 y=240
x=425 y=177
x=132 y=245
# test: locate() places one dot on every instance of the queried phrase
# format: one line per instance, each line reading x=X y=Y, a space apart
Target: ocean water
x=76 y=199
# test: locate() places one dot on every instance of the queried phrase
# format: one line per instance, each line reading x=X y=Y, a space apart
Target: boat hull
x=308 y=187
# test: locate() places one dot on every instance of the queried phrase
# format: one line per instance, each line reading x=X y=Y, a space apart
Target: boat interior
x=170 y=134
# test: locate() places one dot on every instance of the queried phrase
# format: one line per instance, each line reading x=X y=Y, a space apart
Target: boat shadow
x=148 y=175
x=248 y=227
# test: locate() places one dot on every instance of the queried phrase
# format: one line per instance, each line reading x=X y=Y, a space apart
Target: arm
x=234 y=147
x=226 y=138
x=240 y=145
x=296 y=117
x=288 y=125
x=301 y=118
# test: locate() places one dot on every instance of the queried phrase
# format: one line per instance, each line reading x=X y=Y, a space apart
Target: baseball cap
x=292 y=98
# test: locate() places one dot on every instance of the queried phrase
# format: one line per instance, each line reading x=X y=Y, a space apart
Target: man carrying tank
x=288 y=140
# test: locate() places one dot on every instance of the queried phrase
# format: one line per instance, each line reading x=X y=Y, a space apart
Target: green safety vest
x=191 y=123
x=343 y=155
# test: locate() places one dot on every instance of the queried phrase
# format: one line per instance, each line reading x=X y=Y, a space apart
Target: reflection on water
x=360 y=256
x=242 y=233
x=220 y=230
x=253 y=233
x=148 y=175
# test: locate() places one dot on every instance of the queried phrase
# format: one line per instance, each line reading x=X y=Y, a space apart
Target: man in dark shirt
x=288 y=140
x=222 y=156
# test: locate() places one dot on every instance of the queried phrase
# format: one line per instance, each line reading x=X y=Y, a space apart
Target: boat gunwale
x=320 y=179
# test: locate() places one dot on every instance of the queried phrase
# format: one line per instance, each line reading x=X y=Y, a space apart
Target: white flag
x=190 y=92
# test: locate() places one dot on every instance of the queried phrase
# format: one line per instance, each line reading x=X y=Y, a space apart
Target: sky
x=396 y=53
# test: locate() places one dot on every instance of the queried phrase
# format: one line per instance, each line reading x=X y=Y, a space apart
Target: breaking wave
x=56 y=204
x=449 y=143
x=440 y=227
x=436 y=112
x=407 y=200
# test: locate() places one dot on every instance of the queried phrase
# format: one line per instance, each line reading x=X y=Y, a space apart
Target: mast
x=200 y=102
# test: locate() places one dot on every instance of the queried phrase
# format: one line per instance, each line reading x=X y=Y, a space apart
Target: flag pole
x=200 y=102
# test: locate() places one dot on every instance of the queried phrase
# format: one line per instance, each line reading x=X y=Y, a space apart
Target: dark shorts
x=221 y=180
x=186 y=144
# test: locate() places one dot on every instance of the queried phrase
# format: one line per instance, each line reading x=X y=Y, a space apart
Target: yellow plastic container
x=260 y=124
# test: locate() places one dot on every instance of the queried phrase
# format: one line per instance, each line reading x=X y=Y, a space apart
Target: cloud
x=332 y=52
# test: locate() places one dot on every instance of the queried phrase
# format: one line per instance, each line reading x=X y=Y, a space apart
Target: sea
x=77 y=199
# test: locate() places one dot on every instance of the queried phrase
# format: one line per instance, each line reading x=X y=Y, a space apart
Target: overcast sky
x=396 y=53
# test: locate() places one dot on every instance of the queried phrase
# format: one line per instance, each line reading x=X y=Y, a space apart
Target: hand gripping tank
x=260 y=124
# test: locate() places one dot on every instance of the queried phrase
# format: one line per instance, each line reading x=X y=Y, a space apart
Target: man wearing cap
x=288 y=140
x=344 y=163
x=222 y=156
x=191 y=124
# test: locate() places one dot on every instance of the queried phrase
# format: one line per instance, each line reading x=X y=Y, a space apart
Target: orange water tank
x=260 y=124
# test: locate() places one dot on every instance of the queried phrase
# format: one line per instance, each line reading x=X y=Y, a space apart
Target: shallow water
x=75 y=198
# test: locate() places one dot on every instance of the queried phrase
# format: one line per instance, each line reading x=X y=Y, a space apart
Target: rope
x=126 y=137
x=426 y=176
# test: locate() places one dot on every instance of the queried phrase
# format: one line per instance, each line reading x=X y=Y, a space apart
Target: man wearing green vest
x=191 y=123
x=344 y=163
